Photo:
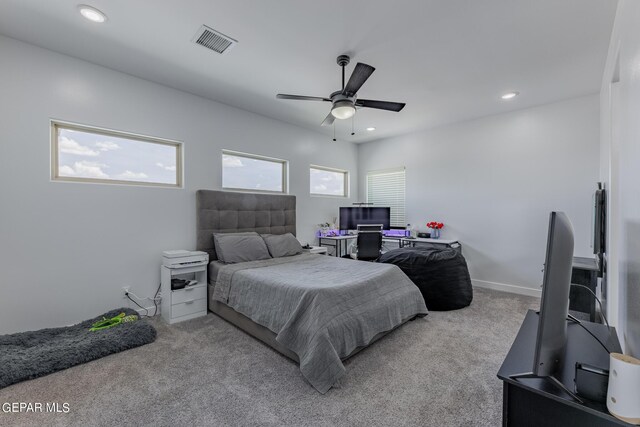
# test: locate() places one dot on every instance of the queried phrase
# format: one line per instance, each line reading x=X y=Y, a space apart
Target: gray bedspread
x=320 y=307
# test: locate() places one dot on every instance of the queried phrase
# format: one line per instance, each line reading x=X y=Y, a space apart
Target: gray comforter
x=320 y=307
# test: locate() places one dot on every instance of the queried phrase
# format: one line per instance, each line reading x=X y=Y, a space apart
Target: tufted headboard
x=229 y=212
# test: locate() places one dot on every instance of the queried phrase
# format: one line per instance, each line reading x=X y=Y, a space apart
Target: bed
x=316 y=310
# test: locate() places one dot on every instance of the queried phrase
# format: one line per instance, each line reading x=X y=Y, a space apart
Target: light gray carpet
x=436 y=371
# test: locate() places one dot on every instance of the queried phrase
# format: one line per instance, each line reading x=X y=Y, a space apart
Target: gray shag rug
x=436 y=371
x=29 y=355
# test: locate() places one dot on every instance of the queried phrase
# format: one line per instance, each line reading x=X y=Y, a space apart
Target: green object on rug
x=114 y=321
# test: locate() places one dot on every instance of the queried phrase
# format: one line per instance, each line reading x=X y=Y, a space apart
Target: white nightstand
x=316 y=250
x=187 y=303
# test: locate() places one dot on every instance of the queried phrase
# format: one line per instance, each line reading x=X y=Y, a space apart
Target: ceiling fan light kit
x=346 y=100
x=343 y=109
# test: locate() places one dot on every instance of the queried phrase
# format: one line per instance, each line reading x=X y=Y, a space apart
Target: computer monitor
x=351 y=217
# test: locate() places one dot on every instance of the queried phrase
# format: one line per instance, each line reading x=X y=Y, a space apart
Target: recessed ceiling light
x=371 y=129
x=91 y=13
x=510 y=95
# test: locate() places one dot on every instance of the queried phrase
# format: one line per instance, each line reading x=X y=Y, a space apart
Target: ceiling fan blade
x=360 y=75
x=328 y=120
x=380 y=105
x=301 y=98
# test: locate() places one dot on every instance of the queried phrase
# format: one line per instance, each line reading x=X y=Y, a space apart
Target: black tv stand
x=533 y=401
x=550 y=378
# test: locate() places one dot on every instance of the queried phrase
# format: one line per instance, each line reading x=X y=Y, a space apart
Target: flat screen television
x=599 y=221
x=554 y=304
x=351 y=217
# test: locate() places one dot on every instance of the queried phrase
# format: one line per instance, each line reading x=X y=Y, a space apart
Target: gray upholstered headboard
x=228 y=212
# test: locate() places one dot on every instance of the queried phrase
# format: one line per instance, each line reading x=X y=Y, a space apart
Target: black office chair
x=368 y=246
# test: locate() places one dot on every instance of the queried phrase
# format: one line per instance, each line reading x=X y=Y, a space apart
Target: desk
x=432 y=242
x=337 y=242
x=535 y=402
x=584 y=272
x=393 y=240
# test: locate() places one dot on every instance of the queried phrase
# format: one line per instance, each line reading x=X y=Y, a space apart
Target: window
x=328 y=182
x=86 y=154
x=387 y=188
x=241 y=171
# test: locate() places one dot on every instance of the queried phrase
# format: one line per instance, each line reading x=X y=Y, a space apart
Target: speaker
x=623 y=394
x=591 y=382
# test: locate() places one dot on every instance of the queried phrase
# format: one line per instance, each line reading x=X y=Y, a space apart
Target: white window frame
x=390 y=171
x=282 y=162
x=55 y=125
x=345 y=190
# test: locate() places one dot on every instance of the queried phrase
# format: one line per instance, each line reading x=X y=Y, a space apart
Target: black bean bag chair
x=441 y=275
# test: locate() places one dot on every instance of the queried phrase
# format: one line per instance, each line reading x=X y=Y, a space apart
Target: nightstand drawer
x=188 y=294
x=189 y=307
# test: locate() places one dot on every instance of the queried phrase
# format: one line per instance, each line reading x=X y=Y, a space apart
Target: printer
x=181 y=258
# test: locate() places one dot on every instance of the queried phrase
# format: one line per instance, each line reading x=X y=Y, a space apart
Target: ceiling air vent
x=214 y=40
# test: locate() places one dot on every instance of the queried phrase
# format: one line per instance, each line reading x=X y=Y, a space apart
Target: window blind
x=387 y=188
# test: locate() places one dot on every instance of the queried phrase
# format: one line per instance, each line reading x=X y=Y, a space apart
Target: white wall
x=67 y=249
x=493 y=182
x=620 y=169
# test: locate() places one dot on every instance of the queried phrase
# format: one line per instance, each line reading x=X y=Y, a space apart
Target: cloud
x=169 y=168
x=128 y=175
x=231 y=162
x=70 y=146
x=107 y=146
x=67 y=171
x=320 y=187
x=84 y=169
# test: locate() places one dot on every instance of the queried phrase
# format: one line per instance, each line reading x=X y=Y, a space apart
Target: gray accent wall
x=67 y=249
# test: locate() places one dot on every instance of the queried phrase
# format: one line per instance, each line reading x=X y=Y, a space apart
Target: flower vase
x=435 y=233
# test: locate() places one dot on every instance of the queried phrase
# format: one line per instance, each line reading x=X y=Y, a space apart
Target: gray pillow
x=282 y=244
x=240 y=247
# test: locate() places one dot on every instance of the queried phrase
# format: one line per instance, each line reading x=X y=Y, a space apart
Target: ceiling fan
x=346 y=100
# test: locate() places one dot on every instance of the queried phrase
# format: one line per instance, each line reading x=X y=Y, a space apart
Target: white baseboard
x=514 y=289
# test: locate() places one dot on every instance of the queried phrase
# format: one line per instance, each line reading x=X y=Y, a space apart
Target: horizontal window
x=328 y=181
x=241 y=171
x=86 y=154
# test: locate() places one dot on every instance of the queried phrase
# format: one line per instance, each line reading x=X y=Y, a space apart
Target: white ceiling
x=449 y=60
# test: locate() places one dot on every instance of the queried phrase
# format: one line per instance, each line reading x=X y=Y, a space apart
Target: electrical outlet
x=125 y=290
